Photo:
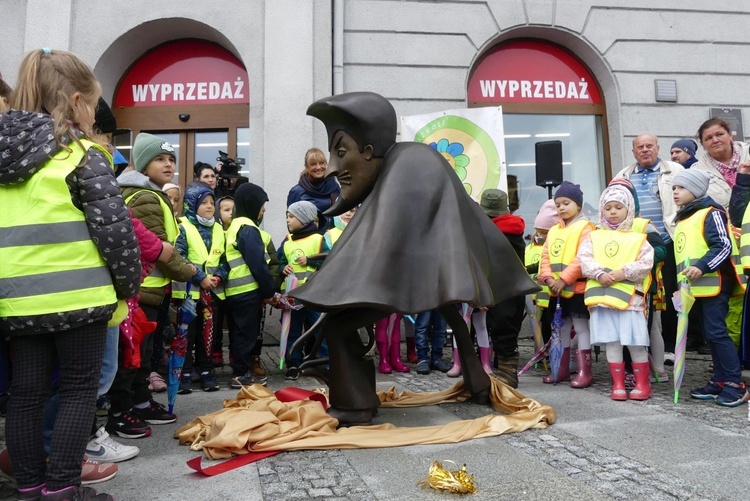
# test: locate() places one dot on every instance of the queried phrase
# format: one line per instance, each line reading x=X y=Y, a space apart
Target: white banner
x=470 y=139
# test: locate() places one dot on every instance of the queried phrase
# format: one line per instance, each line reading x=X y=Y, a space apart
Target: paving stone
x=320 y=493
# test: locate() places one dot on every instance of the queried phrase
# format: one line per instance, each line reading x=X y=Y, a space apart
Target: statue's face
x=356 y=171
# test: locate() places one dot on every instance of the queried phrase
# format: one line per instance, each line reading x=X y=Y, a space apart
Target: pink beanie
x=547 y=216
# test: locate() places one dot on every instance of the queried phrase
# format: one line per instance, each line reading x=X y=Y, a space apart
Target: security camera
x=184 y=117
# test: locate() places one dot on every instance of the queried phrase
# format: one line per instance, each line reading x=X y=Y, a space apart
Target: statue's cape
x=417 y=242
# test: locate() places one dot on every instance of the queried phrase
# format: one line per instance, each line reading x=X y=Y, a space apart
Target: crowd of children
x=63 y=200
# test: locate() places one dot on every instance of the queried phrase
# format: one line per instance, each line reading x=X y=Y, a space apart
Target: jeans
x=297 y=325
x=723 y=351
x=109 y=361
x=433 y=322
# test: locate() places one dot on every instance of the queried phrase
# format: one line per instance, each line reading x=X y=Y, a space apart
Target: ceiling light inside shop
x=516 y=136
x=553 y=134
x=210 y=145
x=533 y=164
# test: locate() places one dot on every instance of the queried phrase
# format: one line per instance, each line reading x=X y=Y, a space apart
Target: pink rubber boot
x=455 y=371
x=381 y=340
x=395 y=347
x=584 y=378
x=563 y=373
x=485 y=356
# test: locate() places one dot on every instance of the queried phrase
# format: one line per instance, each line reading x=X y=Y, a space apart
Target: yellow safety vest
x=157 y=278
x=240 y=277
x=533 y=255
x=613 y=250
x=266 y=237
x=659 y=299
x=200 y=256
x=303 y=247
x=335 y=233
x=562 y=245
x=50 y=264
x=745 y=240
x=690 y=244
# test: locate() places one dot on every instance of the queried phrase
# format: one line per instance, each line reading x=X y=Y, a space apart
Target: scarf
x=728 y=171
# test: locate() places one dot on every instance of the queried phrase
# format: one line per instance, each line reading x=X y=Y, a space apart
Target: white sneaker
x=105 y=450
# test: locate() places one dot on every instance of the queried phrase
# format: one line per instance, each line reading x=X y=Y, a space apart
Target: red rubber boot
x=617 y=370
x=411 y=351
x=584 y=378
x=642 y=390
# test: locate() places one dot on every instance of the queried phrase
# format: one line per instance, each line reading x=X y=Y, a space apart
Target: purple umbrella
x=185 y=314
x=556 y=347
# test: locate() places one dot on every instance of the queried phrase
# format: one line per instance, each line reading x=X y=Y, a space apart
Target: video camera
x=229 y=175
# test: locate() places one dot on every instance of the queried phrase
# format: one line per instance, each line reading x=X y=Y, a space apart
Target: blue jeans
x=109 y=361
x=723 y=351
x=432 y=324
x=296 y=328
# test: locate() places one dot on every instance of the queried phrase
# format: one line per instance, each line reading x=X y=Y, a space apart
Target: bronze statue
x=418 y=243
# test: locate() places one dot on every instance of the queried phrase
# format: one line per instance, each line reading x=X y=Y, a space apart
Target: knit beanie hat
x=695 y=181
x=621 y=181
x=170 y=186
x=147 y=147
x=303 y=210
x=547 y=216
x=687 y=145
x=571 y=191
x=494 y=202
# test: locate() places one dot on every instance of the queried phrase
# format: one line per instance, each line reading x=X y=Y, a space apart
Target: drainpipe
x=338 y=46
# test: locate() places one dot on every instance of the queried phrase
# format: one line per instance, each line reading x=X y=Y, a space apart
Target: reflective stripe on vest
x=306 y=246
x=52 y=265
x=562 y=245
x=690 y=245
x=613 y=250
x=745 y=240
x=533 y=255
x=266 y=237
x=156 y=278
x=200 y=256
x=240 y=278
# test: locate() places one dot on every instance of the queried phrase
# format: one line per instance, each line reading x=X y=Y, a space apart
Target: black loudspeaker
x=513 y=202
x=549 y=171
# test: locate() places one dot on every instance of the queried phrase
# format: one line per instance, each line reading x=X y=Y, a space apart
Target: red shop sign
x=530 y=71
x=184 y=72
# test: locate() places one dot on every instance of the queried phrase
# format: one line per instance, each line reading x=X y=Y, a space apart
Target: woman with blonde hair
x=314 y=187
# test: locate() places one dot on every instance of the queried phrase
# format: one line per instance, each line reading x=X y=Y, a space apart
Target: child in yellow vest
x=303 y=240
x=618 y=263
x=706 y=254
x=339 y=223
x=545 y=219
x=560 y=270
x=201 y=241
x=249 y=281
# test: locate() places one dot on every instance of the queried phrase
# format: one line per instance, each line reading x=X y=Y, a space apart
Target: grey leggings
x=79 y=352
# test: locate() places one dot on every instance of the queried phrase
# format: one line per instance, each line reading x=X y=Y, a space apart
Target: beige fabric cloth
x=257 y=421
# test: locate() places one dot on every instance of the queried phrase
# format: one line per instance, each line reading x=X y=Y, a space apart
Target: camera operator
x=229 y=178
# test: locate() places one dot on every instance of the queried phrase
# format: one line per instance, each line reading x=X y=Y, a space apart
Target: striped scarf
x=729 y=171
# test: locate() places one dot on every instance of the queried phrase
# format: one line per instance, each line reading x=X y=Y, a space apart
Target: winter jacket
x=719 y=190
x=194 y=195
x=149 y=244
x=717 y=237
x=26 y=143
x=322 y=194
x=667 y=171
x=146 y=207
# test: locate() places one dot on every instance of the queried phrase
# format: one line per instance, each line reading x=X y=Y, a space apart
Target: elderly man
x=651 y=177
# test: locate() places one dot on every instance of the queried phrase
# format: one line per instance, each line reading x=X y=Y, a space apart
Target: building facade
x=238 y=76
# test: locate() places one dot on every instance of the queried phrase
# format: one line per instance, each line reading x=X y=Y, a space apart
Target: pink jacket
x=150 y=245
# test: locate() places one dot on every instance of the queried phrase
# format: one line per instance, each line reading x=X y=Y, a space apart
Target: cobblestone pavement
x=615 y=475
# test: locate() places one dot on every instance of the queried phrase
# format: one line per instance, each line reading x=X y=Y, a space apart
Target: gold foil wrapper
x=442 y=479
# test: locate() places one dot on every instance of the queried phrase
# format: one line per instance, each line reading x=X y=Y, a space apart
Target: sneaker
x=104 y=449
x=208 y=382
x=218 y=359
x=185 y=385
x=629 y=381
x=733 y=395
x=257 y=367
x=94 y=472
x=79 y=493
x=663 y=377
x=669 y=358
x=292 y=374
x=708 y=392
x=441 y=365
x=248 y=379
x=156 y=383
x=423 y=367
x=155 y=413
x=103 y=405
x=127 y=425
